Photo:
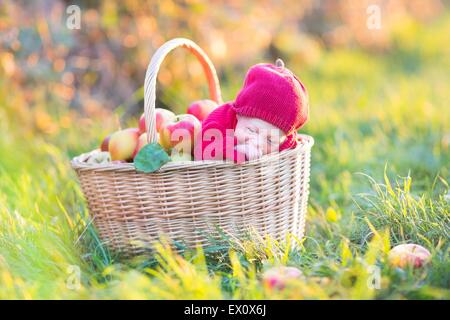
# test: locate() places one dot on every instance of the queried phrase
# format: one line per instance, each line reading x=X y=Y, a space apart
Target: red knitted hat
x=273 y=94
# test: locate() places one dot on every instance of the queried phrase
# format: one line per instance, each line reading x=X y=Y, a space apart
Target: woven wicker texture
x=188 y=202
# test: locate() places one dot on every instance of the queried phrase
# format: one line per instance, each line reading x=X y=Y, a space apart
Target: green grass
x=379 y=177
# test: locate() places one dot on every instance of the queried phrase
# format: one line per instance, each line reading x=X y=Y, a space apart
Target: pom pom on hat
x=274 y=94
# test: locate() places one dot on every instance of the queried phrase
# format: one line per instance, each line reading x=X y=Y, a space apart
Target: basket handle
x=152 y=72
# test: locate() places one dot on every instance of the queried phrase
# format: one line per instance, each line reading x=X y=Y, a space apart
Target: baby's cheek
x=240 y=137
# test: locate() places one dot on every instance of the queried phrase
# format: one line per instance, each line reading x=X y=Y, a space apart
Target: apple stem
x=279 y=63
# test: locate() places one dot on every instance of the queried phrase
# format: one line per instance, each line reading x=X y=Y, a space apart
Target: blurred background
x=101 y=66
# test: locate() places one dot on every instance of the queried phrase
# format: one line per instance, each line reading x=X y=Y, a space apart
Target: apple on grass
x=123 y=143
x=279 y=277
x=410 y=254
x=201 y=108
x=182 y=130
x=162 y=116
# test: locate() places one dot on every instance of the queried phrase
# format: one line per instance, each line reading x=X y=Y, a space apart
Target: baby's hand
x=249 y=150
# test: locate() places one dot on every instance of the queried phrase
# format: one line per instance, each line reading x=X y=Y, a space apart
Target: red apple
x=201 y=108
x=162 y=116
x=142 y=127
x=123 y=143
x=105 y=143
x=182 y=130
x=410 y=254
x=142 y=141
x=279 y=277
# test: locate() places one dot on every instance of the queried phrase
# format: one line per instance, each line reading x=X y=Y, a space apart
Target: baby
x=269 y=109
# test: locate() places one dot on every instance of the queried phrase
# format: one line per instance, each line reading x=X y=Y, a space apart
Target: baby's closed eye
x=251 y=129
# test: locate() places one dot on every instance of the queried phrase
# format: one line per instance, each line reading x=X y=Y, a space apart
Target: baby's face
x=256 y=137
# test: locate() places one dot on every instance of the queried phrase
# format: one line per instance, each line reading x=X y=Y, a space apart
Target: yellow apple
x=123 y=143
x=182 y=129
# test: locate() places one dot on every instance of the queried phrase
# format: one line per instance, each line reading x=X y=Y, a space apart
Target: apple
x=279 y=277
x=201 y=108
x=410 y=254
x=180 y=156
x=162 y=116
x=142 y=127
x=182 y=130
x=142 y=141
x=181 y=152
x=123 y=143
x=105 y=143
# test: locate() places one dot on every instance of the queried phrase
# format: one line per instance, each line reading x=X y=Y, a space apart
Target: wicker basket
x=188 y=202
